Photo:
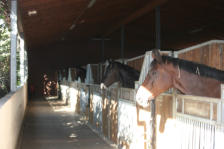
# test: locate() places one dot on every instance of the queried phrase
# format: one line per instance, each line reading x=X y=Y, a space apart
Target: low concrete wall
x=12 y=110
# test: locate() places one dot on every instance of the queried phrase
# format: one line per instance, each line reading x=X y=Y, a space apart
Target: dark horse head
x=189 y=78
x=117 y=72
x=78 y=72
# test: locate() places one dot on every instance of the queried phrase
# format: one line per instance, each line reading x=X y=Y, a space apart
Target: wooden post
x=14 y=32
x=122 y=43
x=158 y=34
x=153 y=102
x=222 y=98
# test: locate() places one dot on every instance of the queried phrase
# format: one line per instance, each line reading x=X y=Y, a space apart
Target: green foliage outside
x=4 y=53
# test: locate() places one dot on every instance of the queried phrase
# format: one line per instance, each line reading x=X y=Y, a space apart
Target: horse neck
x=126 y=79
x=197 y=85
x=112 y=78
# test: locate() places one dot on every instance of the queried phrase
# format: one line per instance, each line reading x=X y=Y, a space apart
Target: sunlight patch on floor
x=59 y=105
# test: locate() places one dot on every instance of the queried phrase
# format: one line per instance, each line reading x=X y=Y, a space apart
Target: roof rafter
x=148 y=7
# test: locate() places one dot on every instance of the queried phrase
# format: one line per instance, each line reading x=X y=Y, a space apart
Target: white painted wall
x=12 y=110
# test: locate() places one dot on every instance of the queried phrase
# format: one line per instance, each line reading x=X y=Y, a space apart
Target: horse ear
x=156 y=55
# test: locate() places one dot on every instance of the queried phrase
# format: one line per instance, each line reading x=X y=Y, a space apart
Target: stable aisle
x=46 y=129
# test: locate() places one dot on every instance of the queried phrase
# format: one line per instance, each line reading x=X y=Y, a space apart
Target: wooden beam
x=148 y=7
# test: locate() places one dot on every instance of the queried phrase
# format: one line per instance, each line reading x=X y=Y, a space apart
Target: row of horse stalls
x=179 y=121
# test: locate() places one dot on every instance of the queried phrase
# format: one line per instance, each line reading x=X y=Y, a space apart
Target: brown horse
x=188 y=77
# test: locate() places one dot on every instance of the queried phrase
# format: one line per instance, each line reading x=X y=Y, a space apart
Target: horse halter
x=198 y=71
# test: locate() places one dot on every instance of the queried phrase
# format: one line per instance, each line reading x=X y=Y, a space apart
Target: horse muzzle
x=143 y=96
x=103 y=86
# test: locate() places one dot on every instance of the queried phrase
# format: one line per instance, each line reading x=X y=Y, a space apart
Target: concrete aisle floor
x=46 y=129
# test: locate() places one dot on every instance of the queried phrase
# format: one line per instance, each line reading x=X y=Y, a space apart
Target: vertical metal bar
x=25 y=63
x=14 y=32
x=22 y=59
x=222 y=102
x=157 y=24
x=122 y=43
x=102 y=50
x=102 y=60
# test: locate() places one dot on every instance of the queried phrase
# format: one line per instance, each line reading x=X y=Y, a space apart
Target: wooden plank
x=199 y=98
x=114 y=121
x=214 y=117
x=164 y=108
x=136 y=63
x=200 y=45
x=221 y=47
x=113 y=115
x=91 y=108
x=208 y=53
x=105 y=114
x=214 y=60
x=204 y=55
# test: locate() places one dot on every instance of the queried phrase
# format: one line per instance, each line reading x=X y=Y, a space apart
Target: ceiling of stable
x=67 y=32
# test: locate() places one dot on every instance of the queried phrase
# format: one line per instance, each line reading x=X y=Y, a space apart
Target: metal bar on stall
x=122 y=43
x=14 y=32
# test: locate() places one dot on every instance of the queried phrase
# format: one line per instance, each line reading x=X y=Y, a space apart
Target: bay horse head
x=111 y=74
x=117 y=72
x=188 y=77
x=78 y=72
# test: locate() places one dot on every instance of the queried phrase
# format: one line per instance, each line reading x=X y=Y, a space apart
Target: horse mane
x=195 y=68
x=128 y=69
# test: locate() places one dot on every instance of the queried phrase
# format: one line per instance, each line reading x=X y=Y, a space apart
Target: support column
x=25 y=63
x=122 y=43
x=14 y=32
x=22 y=60
x=102 y=60
x=153 y=102
x=222 y=103
x=102 y=50
x=158 y=30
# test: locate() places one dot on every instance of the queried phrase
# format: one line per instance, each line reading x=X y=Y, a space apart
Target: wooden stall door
x=164 y=112
x=113 y=114
x=105 y=114
x=211 y=54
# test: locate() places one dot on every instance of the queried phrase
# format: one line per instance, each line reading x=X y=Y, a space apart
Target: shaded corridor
x=46 y=129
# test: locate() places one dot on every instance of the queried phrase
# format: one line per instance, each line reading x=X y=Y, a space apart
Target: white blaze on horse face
x=102 y=86
x=143 y=96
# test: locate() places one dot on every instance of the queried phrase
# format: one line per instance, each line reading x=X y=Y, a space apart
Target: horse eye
x=154 y=73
